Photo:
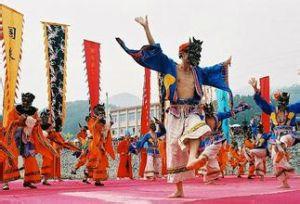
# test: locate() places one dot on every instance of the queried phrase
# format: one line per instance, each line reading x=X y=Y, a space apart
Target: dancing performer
x=84 y=138
x=209 y=155
x=100 y=146
x=283 y=121
x=150 y=143
x=223 y=157
x=51 y=167
x=24 y=137
x=247 y=147
x=183 y=83
x=259 y=152
x=123 y=149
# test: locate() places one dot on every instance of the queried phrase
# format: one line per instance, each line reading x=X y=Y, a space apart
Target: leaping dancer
x=183 y=83
x=283 y=118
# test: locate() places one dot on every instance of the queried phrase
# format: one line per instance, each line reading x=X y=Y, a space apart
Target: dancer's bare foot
x=177 y=194
x=213 y=182
x=284 y=186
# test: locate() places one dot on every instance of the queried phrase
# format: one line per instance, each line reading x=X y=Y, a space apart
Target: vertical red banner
x=265 y=93
x=92 y=60
x=145 y=117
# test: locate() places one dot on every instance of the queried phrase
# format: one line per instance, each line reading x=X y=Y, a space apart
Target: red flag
x=145 y=117
x=92 y=59
x=265 y=93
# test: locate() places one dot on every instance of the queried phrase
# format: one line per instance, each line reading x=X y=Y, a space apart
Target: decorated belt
x=183 y=110
x=194 y=128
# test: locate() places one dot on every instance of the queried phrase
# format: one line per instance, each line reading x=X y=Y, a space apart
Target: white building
x=130 y=119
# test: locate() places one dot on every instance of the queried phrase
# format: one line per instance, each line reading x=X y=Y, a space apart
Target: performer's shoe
x=46 y=183
x=86 y=181
x=5 y=187
x=99 y=184
x=29 y=185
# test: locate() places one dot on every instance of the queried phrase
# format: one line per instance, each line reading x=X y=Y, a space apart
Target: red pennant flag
x=145 y=117
x=92 y=59
x=265 y=93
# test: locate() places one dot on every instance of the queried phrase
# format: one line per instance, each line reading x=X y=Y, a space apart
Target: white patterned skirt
x=177 y=153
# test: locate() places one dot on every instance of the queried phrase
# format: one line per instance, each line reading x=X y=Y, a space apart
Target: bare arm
x=253 y=83
x=144 y=22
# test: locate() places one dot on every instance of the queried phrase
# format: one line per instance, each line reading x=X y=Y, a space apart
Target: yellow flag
x=12 y=31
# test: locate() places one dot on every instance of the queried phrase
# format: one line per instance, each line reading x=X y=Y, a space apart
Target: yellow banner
x=12 y=31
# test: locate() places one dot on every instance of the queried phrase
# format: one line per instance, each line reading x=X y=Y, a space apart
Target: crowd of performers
x=189 y=142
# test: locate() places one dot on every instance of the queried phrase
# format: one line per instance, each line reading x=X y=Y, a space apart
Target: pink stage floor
x=229 y=190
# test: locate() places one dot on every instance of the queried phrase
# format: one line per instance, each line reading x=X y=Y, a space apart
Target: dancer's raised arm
x=144 y=22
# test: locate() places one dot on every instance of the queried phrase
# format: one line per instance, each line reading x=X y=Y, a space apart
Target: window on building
x=138 y=116
x=122 y=118
x=114 y=118
x=131 y=117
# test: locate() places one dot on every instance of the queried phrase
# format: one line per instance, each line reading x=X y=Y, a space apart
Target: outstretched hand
x=253 y=83
x=227 y=63
x=142 y=21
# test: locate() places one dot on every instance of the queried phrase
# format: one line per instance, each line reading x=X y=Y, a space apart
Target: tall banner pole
x=265 y=93
x=56 y=36
x=11 y=32
x=55 y=42
x=92 y=61
x=145 y=118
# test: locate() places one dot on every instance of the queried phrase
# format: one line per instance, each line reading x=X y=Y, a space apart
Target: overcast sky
x=263 y=37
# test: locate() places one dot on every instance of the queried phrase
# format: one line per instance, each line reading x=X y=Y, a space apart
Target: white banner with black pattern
x=56 y=55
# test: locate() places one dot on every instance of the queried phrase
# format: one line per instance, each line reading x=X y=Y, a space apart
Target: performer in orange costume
x=223 y=157
x=233 y=155
x=125 y=166
x=248 y=145
x=101 y=145
x=24 y=137
x=242 y=161
x=84 y=138
x=4 y=152
x=51 y=166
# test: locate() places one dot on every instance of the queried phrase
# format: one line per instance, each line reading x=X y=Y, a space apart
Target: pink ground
x=229 y=190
